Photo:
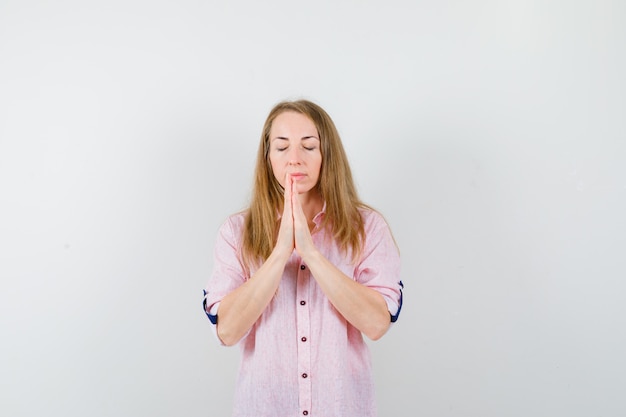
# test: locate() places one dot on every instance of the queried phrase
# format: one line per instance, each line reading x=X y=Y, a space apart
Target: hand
x=302 y=235
x=285 y=240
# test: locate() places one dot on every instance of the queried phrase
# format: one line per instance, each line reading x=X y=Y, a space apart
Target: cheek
x=273 y=163
x=278 y=173
x=318 y=165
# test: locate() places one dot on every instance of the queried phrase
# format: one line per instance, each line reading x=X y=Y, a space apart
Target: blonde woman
x=302 y=274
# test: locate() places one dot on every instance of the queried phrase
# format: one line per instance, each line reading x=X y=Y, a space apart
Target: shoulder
x=372 y=218
x=236 y=219
x=376 y=227
x=378 y=235
x=233 y=224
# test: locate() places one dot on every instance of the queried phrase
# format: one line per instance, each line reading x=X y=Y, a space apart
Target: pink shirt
x=301 y=357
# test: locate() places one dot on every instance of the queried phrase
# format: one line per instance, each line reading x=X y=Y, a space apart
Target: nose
x=294 y=156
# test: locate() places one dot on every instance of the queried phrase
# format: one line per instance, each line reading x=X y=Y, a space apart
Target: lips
x=297 y=175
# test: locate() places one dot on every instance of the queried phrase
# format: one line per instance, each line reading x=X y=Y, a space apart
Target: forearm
x=240 y=309
x=361 y=306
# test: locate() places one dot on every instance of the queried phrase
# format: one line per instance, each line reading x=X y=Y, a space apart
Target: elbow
x=379 y=333
x=227 y=337
x=378 y=328
x=379 y=322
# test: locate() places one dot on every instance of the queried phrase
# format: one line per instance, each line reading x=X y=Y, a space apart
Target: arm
x=363 y=307
x=241 y=308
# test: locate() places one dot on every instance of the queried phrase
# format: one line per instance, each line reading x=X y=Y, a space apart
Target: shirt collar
x=320 y=216
x=317 y=219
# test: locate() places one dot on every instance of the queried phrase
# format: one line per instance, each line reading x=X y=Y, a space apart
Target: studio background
x=489 y=133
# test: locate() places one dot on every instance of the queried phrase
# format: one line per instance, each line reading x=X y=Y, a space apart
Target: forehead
x=289 y=123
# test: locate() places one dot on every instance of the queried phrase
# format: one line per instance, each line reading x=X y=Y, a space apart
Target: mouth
x=298 y=175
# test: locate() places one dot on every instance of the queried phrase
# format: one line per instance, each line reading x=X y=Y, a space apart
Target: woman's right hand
x=285 y=242
x=240 y=309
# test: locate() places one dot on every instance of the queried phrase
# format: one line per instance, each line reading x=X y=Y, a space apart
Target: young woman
x=302 y=274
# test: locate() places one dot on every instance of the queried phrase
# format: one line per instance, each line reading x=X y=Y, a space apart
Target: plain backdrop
x=491 y=134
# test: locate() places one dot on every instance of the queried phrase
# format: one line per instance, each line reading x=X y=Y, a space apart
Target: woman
x=302 y=274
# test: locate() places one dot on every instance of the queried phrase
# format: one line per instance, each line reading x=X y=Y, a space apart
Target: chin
x=302 y=190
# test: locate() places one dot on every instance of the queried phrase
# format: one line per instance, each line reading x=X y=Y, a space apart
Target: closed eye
x=310 y=143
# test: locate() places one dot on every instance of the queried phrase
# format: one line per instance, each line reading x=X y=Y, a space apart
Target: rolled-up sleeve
x=379 y=267
x=228 y=272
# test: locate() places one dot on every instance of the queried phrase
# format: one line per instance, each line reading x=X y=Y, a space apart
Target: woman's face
x=295 y=150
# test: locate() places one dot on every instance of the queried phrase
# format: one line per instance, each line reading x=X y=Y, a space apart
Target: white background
x=491 y=134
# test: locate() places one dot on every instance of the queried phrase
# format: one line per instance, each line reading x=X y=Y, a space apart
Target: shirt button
x=304 y=375
x=302 y=267
x=306 y=413
x=302 y=302
x=303 y=339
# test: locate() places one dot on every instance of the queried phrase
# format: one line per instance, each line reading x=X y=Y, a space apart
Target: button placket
x=303 y=328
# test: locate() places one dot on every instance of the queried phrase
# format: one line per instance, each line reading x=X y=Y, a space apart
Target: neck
x=311 y=204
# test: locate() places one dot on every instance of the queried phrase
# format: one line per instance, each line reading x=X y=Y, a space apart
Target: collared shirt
x=301 y=357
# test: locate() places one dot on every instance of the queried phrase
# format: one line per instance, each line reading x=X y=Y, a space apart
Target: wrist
x=312 y=256
x=281 y=254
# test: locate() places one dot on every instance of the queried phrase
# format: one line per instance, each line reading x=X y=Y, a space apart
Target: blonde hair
x=335 y=186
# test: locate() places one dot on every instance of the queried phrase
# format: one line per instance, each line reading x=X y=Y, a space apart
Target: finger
x=285 y=232
x=294 y=193
x=298 y=212
x=288 y=194
x=287 y=185
x=294 y=187
x=295 y=199
x=302 y=235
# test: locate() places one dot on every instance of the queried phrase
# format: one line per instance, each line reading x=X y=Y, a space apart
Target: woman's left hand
x=302 y=234
x=362 y=306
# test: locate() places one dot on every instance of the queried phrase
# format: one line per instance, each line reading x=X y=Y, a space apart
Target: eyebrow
x=302 y=138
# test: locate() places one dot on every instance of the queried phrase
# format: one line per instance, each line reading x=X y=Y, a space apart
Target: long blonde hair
x=335 y=186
